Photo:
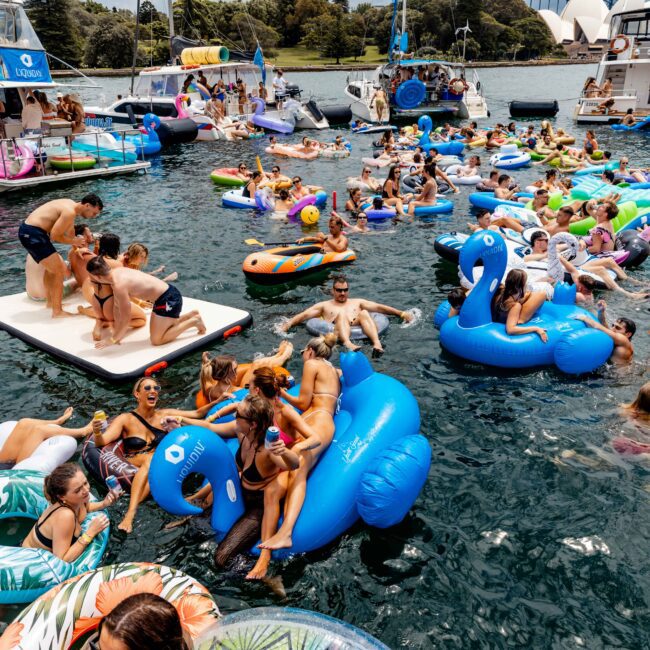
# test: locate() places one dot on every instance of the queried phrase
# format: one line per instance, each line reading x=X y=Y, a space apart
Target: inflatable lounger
x=70 y=339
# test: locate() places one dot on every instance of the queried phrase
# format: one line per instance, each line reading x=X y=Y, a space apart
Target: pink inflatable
x=23 y=157
x=290 y=152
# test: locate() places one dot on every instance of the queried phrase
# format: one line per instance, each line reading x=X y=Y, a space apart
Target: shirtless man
x=429 y=190
x=335 y=242
x=166 y=322
x=621 y=332
x=54 y=221
x=344 y=312
x=503 y=190
x=561 y=221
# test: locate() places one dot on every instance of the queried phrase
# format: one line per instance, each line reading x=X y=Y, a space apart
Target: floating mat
x=70 y=339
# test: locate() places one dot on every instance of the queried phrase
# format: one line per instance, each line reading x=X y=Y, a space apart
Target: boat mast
x=170 y=15
x=135 y=44
x=403 y=20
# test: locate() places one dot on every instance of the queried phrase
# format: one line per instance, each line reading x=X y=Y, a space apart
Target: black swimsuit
x=251 y=474
x=46 y=541
x=101 y=301
x=134 y=445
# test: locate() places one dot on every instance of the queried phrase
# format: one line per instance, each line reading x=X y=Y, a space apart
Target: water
x=514 y=541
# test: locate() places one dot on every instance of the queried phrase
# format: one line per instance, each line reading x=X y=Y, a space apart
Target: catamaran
x=416 y=86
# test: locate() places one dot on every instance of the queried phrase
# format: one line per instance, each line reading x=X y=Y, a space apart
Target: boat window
x=153 y=85
x=637 y=28
x=162 y=109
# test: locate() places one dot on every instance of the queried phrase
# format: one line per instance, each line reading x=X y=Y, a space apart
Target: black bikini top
x=46 y=541
x=135 y=444
x=251 y=474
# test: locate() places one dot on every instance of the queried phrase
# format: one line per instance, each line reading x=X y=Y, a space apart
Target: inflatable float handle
x=194 y=449
x=356 y=368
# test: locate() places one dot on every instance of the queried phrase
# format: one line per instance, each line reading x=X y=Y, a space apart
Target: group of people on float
x=269 y=475
x=115 y=285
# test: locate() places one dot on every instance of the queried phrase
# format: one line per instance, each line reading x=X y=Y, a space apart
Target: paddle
x=255 y=242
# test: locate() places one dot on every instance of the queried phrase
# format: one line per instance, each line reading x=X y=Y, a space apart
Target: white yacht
x=626 y=62
x=157 y=90
x=445 y=93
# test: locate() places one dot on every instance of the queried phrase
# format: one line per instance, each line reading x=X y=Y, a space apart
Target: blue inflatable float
x=147 y=144
x=453 y=148
x=488 y=201
x=410 y=94
x=572 y=346
x=374 y=469
x=638 y=126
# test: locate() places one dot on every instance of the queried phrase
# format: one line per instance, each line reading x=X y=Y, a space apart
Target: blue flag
x=258 y=60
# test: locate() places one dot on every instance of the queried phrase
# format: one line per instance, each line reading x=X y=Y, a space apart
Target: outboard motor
x=293 y=90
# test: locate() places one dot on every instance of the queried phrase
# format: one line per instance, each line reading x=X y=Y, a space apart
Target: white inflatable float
x=49 y=454
x=70 y=339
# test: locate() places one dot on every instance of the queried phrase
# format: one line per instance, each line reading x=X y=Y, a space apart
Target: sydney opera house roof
x=580 y=19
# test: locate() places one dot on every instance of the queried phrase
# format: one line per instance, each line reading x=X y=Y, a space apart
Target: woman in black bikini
x=390 y=191
x=257 y=465
x=141 y=433
x=58 y=529
x=251 y=187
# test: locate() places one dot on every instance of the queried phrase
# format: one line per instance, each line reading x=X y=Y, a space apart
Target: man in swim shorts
x=621 y=332
x=54 y=221
x=344 y=312
x=166 y=322
x=335 y=242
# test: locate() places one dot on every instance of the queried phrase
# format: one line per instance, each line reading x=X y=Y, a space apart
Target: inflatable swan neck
x=356 y=368
x=425 y=125
x=259 y=105
x=555 y=268
x=489 y=247
x=180 y=106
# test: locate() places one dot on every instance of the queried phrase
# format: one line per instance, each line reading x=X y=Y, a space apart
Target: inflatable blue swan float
x=261 y=120
x=374 y=469
x=147 y=144
x=453 y=148
x=572 y=346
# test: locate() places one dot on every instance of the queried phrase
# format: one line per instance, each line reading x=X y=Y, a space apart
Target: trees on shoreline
x=87 y=32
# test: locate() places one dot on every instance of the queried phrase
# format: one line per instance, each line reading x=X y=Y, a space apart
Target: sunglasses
x=341 y=290
x=367 y=171
x=155 y=387
x=238 y=416
x=275 y=171
x=243 y=167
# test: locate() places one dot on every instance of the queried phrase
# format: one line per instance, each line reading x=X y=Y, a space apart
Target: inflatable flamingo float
x=208 y=130
x=17 y=165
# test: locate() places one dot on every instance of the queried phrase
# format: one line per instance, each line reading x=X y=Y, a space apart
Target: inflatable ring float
x=286 y=263
x=69 y=614
x=284 y=627
x=103 y=462
x=26 y=573
x=318 y=326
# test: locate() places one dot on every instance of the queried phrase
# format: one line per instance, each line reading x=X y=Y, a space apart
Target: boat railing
x=617 y=93
x=40 y=147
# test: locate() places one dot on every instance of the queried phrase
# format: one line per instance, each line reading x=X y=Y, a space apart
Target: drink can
x=101 y=417
x=113 y=484
x=272 y=435
x=291 y=380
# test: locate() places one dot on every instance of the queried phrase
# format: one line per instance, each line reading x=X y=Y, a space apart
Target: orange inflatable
x=239 y=378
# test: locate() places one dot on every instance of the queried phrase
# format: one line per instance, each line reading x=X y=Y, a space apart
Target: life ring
x=242 y=369
x=454 y=82
x=26 y=573
x=319 y=326
x=68 y=617
x=617 y=49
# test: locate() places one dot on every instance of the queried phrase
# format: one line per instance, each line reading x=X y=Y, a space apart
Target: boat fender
x=391 y=483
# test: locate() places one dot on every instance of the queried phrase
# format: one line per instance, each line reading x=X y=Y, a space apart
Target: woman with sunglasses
x=243 y=173
x=320 y=389
x=141 y=430
x=258 y=466
x=365 y=182
x=391 y=191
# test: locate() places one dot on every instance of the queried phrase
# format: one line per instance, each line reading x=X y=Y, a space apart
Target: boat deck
x=13 y=184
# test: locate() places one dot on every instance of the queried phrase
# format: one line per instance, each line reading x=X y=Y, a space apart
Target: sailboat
x=417 y=86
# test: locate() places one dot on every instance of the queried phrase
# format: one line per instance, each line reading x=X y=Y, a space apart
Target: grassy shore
x=300 y=56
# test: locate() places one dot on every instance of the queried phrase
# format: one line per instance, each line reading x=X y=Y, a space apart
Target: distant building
x=584 y=22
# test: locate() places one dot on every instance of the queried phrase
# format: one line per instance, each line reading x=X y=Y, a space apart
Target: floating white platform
x=70 y=339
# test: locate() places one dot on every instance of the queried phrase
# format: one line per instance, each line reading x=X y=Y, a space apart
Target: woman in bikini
x=221 y=376
x=258 y=467
x=58 y=529
x=390 y=191
x=28 y=434
x=602 y=235
x=251 y=186
x=428 y=195
x=513 y=306
x=141 y=432
x=318 y=399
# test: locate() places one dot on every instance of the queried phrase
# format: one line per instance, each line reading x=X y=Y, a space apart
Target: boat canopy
x=23 y=62
x=418 y=62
